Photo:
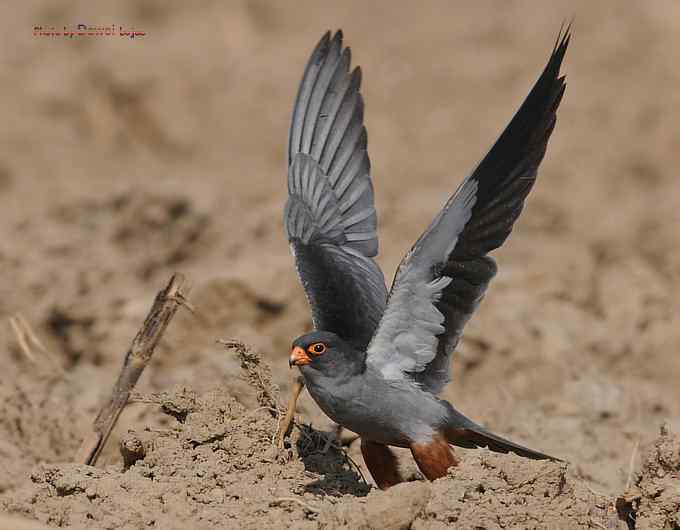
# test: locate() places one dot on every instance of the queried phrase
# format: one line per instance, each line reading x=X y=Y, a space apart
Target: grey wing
x=441 y=281
x=330 y=218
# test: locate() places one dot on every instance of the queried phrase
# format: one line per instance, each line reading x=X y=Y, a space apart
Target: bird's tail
x=463 y=432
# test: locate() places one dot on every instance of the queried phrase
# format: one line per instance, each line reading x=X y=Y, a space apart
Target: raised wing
x=329 y=217
x=441 y=281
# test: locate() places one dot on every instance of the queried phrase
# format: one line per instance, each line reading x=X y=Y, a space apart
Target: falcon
x=376 y=363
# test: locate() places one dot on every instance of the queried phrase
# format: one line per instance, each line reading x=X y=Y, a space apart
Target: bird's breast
x=362 y=408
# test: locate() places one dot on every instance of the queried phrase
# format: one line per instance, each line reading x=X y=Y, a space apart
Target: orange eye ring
x=317 y=348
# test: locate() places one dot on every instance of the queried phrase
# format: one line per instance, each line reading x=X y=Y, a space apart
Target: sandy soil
x=124 y=160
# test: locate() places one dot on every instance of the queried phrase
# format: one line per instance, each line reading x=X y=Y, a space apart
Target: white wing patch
x=407 y=337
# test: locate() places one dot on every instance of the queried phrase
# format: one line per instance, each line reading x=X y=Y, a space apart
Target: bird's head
x=326 y=353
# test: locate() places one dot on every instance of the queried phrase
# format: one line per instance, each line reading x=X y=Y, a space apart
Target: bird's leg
x=382 y=464
x=434 y=458
x=287 y=422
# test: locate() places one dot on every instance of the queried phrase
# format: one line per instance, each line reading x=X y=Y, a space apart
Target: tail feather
x=474 y=437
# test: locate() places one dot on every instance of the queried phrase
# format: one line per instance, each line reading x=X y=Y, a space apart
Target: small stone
x=132 y=449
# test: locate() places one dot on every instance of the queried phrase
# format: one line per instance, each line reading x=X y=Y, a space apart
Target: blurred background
x=123 y=160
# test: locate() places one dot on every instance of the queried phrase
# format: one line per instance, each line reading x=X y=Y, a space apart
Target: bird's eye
x=317 y=348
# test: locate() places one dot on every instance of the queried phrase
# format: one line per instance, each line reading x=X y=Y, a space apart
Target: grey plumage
x=381 y=364
x=388 y=411
x=330 y=218
x=446 y=273
x=405 y=342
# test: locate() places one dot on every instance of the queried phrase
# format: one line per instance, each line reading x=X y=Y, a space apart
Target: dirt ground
x=123 y=160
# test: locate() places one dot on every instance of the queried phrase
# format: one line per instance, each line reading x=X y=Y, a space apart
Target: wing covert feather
x=442 y=280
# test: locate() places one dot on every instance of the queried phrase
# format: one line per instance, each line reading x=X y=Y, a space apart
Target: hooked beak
x=298 y=357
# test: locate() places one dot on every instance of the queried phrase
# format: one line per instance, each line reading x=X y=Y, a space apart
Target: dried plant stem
x=285 y=425
x=136 y=359
x=631 y=465
x=26 y=338
x=257 y=373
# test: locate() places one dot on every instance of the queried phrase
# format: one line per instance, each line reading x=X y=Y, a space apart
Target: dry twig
x=304 y=505
x=136 y=359
x=352 y=464
x=631 y=465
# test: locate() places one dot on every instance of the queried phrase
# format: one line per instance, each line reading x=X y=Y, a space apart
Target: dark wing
x=441 y=281
x=472 y=438
x=329 y=217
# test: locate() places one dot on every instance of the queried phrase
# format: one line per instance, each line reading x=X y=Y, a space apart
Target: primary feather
x=330 y=218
